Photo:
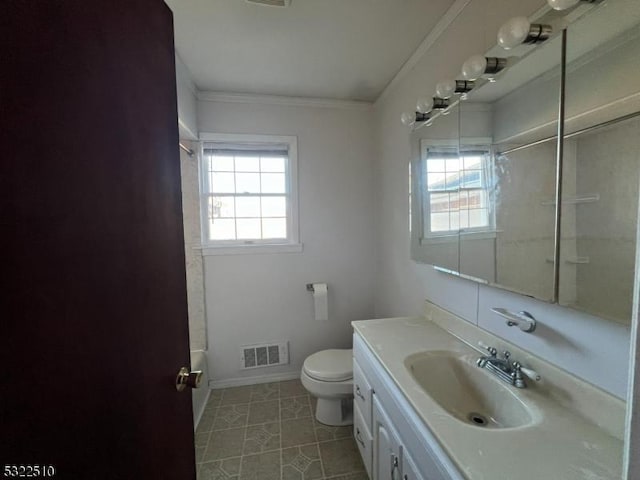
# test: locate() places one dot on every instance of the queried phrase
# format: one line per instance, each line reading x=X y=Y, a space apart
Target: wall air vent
x=271 y=3
x=264 y=355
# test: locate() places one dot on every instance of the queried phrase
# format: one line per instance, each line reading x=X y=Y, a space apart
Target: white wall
x=256 y=298
x=187 y=92
x=591 y=348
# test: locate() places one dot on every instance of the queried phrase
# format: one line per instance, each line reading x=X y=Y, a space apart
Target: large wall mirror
x=484 y=207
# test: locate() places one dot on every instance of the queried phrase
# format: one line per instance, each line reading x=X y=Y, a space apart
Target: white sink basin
x=467 y=392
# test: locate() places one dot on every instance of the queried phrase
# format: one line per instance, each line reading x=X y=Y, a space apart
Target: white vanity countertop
x=562 y=446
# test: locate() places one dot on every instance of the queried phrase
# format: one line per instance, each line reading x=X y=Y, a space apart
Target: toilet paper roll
x=321 y=301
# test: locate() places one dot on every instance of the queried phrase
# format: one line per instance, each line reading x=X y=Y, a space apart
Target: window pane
x=248 y=228
x=435 y=165
x=222 y=183
x=247 y=183
x=274 y=228
x=472 y=179
x=452 y=181
x=477 y=199
x=439 y=202
x=453 y=165
x=221 y=163
x=463 y=202
x=473 y=162
x=454 y=220
x=247 y=206
x=272 y=164
x=440 y=222
x=247 y=164
x=274 y=206
x=224 y=229
x=463 y=215
x=273 y=183
x=436 y=181
x=221 y=207
x=479 y=217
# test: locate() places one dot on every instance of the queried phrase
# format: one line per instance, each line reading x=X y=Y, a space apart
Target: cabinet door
x=387 y=451
x=410 y=470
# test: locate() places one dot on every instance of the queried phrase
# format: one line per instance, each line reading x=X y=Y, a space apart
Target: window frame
x=233 y=247
x=426 y=235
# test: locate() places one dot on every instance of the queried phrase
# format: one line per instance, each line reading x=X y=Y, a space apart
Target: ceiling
x=340 y=49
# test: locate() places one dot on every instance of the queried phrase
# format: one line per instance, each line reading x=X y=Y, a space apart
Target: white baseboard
x=241 y=381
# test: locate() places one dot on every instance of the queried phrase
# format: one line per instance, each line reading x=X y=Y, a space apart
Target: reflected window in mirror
x=456 y=189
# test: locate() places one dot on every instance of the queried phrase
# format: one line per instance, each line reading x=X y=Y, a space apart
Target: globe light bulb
x=474 y=67
x=513 y=32
x=424 y=104
x=408 y=118
x=562 y=4
x=446 y=88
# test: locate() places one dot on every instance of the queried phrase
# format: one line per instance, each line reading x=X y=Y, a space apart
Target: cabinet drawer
x=362 y=392
x=364 y=440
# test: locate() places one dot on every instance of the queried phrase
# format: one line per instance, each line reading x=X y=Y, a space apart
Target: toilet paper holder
x=310 y=287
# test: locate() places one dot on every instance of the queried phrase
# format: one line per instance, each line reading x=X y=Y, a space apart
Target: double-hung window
x=249 y=193
x=455 y=195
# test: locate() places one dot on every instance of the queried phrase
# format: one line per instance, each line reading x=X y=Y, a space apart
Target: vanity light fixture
x=424 y=105
x=478 y=65
x=440 y=103
x=447 y=88
x=520 y=30
x=410 y=118
x=566 y=4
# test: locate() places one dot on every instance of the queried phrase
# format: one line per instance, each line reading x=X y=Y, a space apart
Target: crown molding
x=445 y=21
x=225 y=97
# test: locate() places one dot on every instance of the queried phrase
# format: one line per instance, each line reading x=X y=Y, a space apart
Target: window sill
x=450 y=238
x=210 y=250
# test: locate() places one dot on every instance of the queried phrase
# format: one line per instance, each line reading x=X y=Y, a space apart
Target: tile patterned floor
x=268 y=432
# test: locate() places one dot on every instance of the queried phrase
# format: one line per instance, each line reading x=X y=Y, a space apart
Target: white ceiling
x=341 y=49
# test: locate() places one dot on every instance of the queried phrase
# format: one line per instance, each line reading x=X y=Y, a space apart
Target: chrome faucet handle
x=492 y=351
x=519 y=370
x=507 y=354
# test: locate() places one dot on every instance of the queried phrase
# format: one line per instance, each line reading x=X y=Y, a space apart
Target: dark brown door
x=93 y=312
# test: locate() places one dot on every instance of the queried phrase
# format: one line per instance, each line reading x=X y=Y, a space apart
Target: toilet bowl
x=328 y=376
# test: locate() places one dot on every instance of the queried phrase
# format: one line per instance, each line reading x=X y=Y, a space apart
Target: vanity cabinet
x=394 y=442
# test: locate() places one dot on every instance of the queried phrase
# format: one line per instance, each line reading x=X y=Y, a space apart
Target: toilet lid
x=330 y=365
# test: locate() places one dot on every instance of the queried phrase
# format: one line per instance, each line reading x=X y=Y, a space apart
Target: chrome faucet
x=509 y=372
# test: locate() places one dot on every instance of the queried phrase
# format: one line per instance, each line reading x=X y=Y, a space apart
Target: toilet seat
x=334 y=365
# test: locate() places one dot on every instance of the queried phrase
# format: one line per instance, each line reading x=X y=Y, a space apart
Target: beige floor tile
x=230 y=416
x=224 y=444
x=292 y=388
x=264 y=412
x=352 y=476
x=301 y=463
x=327 y=432
x=201 y=439
x=200 y=454
x=340 y=457
x=215 y=396
x=236 y=395
x=295 y=407
x=261 y=438
x=265 y=391
x=263 y=466
x=298 y=431
x=228 y=469
x=206 y=421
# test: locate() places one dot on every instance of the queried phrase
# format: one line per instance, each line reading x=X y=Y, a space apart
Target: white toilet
x=328 y=376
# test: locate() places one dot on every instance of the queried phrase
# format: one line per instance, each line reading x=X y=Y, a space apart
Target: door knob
x=186 y=378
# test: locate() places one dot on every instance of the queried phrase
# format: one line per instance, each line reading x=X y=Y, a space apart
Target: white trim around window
x=291 y=243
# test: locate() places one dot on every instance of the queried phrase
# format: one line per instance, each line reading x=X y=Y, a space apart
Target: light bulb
x=474 y=67
x=424 y=104
x=408 y=118
x=514 y=32
x=446 y=88
x=562 y=4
